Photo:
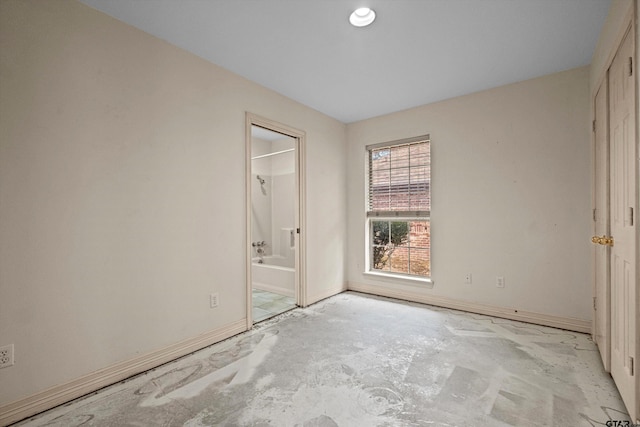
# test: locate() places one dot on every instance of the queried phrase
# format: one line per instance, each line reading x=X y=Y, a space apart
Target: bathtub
x=274 y=276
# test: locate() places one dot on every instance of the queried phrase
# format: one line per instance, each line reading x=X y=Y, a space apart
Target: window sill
x=400 y=278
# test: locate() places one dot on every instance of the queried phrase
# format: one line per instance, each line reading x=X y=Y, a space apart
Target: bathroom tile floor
x=268 y=304
x=359 y=360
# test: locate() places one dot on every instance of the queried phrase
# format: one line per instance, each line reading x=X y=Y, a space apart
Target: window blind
x=400 y=178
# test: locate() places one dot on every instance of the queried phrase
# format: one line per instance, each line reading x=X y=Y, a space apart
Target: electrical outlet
x=213 y=300
x=467 y=279
x=500 y=282
x=6 y=356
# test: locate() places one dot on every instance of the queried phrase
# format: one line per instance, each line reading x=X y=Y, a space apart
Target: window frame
x=398 y=216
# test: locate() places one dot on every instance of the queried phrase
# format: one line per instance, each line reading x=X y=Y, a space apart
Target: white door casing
x=601 y=317
x=300 y=207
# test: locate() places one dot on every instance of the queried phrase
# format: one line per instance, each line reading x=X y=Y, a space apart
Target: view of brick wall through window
x=399 y=187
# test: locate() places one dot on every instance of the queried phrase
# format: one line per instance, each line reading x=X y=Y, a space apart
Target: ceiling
x=416 y=52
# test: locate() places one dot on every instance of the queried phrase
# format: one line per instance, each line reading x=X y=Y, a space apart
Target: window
x=399 y=206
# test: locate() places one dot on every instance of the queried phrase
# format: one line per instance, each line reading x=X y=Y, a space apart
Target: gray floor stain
x=321 y=421
x=356 y=360
x=560 y=348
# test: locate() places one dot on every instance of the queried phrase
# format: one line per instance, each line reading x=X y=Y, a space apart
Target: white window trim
x=392 y=277
x=405 y=141
x=422 y=282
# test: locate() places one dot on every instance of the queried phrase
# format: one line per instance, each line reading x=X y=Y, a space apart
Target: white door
x=623 y=158
x=601 y=324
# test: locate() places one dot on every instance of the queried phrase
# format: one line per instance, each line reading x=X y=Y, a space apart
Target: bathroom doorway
x=274 y=282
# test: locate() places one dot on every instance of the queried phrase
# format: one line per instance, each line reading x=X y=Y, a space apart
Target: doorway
x=616 y=307
x=274 y=249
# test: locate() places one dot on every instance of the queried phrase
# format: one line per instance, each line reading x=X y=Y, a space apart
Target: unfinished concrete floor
x=356 y=360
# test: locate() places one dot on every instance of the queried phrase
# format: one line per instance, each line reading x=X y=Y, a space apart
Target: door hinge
x=631 y=367
x=630 y=66
x=297 y=230
x=630 y=216
x=595 y=308
x=594 y=215
x=593 y=126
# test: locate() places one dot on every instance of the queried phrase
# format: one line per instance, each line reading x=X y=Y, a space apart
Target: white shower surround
x=273 y=208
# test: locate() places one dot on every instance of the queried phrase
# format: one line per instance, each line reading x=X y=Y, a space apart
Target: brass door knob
x=604 y=240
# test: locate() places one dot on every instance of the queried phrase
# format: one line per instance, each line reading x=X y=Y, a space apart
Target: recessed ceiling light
x=362 y=17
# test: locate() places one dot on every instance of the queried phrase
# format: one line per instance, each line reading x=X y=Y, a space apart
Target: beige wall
x=510 y=195
x=122 y=193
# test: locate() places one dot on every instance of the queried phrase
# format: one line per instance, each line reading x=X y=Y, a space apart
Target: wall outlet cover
x=6 y=356
x=214 y=300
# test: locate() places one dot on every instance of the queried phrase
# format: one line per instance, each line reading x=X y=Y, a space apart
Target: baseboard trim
x=63 y=393
x=568 y=323
x=326 y=294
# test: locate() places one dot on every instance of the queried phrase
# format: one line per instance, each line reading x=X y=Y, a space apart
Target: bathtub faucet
x=259 y=244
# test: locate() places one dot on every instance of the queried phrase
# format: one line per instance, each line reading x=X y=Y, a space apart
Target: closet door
x=623 y=161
